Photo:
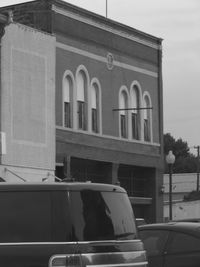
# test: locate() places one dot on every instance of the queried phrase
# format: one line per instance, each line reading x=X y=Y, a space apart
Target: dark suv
x=67 y=224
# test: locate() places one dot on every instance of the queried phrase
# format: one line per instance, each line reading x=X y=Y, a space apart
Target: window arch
x=123 y=112
x=95 y=106
x=135 y=99
x=68 y=87
x=147 y=117
x=82 y=98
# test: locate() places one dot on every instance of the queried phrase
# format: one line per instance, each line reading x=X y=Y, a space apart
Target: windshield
x=101 y=216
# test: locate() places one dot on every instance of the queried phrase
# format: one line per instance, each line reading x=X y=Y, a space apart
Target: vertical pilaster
x=115 y=167
x=67 y=167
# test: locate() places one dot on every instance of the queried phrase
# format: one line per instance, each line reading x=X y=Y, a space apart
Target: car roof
x=54 y=186
x=186 y=227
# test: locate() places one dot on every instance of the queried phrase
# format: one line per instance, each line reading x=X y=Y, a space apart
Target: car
x=188 y=220
x=173 y=244
x=67 y=224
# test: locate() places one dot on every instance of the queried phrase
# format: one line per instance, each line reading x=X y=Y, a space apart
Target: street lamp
x=170 y=159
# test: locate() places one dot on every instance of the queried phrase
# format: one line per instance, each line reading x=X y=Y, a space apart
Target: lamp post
x=170 y=159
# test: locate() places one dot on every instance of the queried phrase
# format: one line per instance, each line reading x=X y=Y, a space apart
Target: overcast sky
x=178 y=23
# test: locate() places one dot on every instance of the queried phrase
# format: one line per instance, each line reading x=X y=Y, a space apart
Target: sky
x=177 y=22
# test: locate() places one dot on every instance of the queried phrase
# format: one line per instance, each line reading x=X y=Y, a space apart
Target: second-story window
x=95 y=109
x=81 y=103
x=135 y=113
x=67 y=101
x=147 y=119
x=123 y=105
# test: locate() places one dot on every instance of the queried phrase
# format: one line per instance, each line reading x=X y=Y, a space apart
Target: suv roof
x=74 y=186
x=186 y=227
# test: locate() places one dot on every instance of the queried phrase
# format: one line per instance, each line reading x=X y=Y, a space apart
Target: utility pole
x=198 y=149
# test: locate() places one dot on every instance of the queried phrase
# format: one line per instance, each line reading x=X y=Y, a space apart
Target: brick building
x=108 y=100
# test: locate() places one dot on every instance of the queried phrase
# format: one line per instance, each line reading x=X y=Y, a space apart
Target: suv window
x=154 y=241
x=184 y=243
x=102 y=216
x=62 y=230
x=20 y=215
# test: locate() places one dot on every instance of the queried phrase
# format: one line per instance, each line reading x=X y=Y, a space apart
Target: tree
x=185 y=161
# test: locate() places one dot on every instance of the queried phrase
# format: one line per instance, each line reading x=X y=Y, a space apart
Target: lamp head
x=170 y=158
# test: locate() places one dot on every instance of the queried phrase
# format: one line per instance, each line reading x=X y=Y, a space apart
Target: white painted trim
x=139 y=89
x=136 y=69
x=70 y=74
x=87 y=99
x=146 y=94
x=96 y=81
x=122 y=89
x=105 y=27
x=104 y=59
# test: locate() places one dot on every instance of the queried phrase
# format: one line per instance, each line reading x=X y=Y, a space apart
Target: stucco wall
x=182 y=182
x=28 y=98
x=184 y=210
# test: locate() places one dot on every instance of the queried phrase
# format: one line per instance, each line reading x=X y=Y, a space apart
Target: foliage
x=185 y=161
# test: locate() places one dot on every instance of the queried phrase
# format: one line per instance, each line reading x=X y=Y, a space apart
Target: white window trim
x=70 y=74
x=122 y=89
x=146 y=94
x=141 y=129
x=96 y=81
x=87 y=99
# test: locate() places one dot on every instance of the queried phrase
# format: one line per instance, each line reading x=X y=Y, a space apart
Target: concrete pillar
x=67 y=167
x=115 y=167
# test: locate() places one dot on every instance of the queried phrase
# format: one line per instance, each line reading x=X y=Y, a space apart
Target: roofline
x=97 y=20
x=106 y=24
x=101 y=17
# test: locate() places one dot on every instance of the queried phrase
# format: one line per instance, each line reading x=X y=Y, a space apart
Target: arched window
x=95 y=108
x=147 y=118
x=123 y=113
x=67 y=100
x=81 y=100
x=135 y=112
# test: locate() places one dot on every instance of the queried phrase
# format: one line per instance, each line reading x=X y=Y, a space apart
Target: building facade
x=108 y=100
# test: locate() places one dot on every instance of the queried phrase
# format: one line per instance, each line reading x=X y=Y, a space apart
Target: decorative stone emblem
x=110 y=61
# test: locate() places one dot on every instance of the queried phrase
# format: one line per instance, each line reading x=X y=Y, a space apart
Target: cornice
x=105 y=27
